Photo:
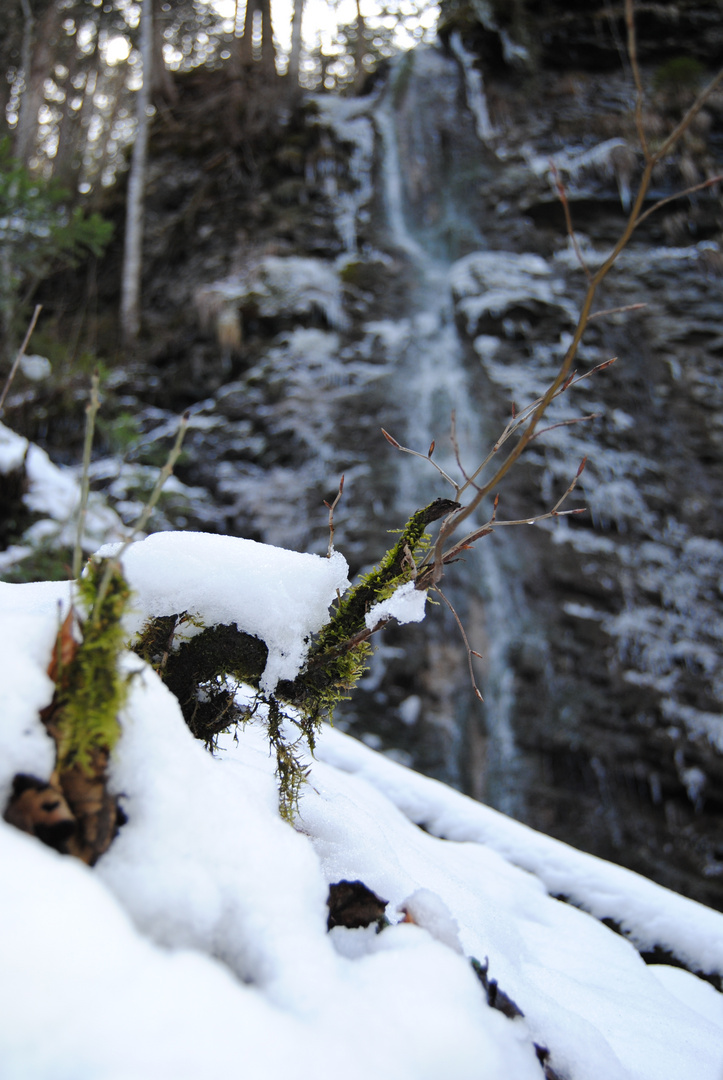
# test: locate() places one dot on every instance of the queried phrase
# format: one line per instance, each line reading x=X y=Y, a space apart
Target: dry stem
x=20 y=355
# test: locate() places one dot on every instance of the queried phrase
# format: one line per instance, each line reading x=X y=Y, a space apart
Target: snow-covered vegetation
x=199 y=945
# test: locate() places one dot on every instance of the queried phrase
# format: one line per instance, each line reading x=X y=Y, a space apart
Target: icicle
x=474 y=87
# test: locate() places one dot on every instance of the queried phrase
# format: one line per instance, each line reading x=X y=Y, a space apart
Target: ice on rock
x=279 y=596
x=274 y=286
x=491 y=283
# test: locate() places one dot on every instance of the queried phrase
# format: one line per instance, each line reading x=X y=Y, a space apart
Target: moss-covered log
x=201 y=670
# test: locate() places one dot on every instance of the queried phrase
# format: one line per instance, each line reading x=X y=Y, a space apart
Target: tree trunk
x=268 y=51
x=295 y=53
x=37 y=63
x=73 y=125
x=132 y=256
x=246 y=48
x=360 y=50
x=163 y=87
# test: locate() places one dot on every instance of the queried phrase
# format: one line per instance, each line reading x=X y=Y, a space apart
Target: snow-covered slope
x=198 y=945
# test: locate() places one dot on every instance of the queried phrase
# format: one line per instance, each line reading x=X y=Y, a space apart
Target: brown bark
x=41 y=52
x=295 y=52
x=133 y=248
x=267 y=58
x=163 y=86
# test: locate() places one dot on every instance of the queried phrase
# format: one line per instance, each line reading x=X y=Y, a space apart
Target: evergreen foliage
x=39 y=234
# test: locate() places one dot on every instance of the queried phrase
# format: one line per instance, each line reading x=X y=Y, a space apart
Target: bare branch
x=20 y=355
x=566 y=423
x=680 y=195
x=616 y=311
x=562 y=195
x=91 y=411
x=639 y=97
x=470 y=651
x=331 y=508
x=455 y=446
x=424 y=457
x=688 y=118
x=142 y=521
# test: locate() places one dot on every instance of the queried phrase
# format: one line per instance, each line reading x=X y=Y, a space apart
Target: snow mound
x=198 y=945
x=279 y=596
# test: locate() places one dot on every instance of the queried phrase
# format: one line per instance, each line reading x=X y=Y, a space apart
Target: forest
x=361 y=367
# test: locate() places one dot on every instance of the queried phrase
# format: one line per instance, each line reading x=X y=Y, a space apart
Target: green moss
x=205 y=671
x=290 y=772
x=201 y=671
x=336 y=661
x=397 y=567
x=91 y=687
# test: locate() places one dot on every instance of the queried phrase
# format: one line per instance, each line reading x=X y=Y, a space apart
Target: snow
x=406 y=605
x=274 y=286
x=350 y=123
x=494 y=282
x=53 y=494
x=280 y=596
x=647 y=913
x=474 y=89
x=198 y=944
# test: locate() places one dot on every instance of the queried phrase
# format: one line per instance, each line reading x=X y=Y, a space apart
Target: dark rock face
x=379 y=262
x=617 y=690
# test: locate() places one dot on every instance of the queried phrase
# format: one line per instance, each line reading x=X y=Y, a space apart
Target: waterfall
x=433 y=381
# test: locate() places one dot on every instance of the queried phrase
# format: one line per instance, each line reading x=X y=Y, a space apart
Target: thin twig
x=21 y=353
x=331 y=508
x=415 y=453
x=164 y=474
x=91 y=411
x=593 y=371
x=457 y=456
x=639 y=97
x=470 y=651
x=688 y=118
x=566 y=423
x=680 y=195
x=562 y=195
x=616 y=311
x=142 y=521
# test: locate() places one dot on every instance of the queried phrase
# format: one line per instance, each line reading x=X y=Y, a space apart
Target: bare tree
x=37 y=60
x=262 y=9
x=132 y=255
x=295 y=51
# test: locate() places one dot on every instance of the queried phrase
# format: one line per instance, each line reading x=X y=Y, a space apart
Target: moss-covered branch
x=204 y=671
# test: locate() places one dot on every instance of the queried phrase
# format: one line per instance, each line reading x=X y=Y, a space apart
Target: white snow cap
x=428 y=910
x=406 y=604
x=280 y=596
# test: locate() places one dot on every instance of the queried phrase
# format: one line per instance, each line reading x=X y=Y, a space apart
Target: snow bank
x=279 y=596
x=648 y=913
x=198 y=945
